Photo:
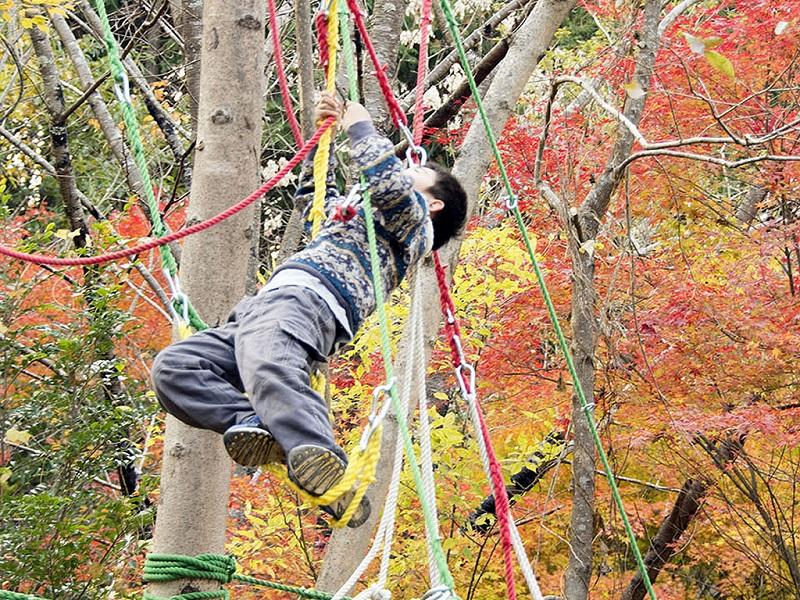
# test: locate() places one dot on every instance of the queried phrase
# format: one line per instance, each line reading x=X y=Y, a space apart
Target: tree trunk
x=747 y=209
x=191 y=27
x=583 y=228
x=196 y=471
x=348 y=546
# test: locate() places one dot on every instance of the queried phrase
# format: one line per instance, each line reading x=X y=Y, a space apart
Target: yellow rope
x=317 y=213
x=361 y=468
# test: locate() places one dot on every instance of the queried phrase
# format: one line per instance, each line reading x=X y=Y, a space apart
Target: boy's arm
x=402 y=213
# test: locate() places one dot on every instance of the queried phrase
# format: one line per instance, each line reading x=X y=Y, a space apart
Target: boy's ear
x=435 y=205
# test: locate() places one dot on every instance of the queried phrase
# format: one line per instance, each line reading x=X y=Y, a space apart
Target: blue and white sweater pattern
x=339 y=255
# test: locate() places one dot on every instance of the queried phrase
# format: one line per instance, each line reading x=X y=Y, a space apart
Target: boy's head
x=447 y=200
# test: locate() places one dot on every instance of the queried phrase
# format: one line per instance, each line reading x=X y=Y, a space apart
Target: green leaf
x=719 y=62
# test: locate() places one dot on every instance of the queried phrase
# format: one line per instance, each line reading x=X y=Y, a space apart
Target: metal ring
x=420 y=151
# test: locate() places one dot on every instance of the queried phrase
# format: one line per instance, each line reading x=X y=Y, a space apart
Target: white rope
x=516 y=540
x=429 y=489
x=385 y=534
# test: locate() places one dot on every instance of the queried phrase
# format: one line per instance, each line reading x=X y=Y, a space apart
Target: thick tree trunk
x=195 y=474
x=584 y=228
x=348 y=546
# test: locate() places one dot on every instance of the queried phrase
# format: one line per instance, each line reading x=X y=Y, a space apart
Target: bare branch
x=676 y=12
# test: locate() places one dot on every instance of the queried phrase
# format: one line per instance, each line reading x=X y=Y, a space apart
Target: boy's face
x=423 y=179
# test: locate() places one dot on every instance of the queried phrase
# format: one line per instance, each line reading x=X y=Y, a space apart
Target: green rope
x=131 y=125
x=210 y=567
x=430 y=519
x=562 y=342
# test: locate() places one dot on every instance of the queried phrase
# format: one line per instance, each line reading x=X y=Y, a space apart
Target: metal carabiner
x=467 y=394
x=413 y=149
x=123 y=89
x=377 y=413
x=512 y=201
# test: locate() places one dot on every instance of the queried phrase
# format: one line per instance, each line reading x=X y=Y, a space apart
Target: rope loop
x=440 y=592
x=169 y=567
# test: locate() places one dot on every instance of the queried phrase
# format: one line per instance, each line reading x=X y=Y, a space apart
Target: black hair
x=450 y=219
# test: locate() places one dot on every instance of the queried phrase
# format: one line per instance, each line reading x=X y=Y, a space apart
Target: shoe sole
x=252 y=446
x=316 y=470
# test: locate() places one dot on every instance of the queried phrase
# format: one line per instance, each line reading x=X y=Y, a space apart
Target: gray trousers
x=259 y=362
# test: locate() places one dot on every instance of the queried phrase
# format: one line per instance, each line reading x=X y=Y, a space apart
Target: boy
x=250 y=378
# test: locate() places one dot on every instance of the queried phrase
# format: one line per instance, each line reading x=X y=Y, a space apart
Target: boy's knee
x=164 y=372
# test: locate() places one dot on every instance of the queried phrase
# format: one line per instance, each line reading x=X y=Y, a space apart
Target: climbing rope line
x=512 y=204
x=122 y=90
x=321 y=158
x=286 y=97
x=428 y=513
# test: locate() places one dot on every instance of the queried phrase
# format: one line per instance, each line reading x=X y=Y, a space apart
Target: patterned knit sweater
x=339 y=255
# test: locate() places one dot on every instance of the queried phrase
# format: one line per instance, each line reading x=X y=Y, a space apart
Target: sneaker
x=250 y=444
x=316 y=470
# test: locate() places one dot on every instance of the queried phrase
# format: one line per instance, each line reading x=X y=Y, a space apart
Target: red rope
x=321 y=25
x=43 y=259
x=422 y=70
x=502 y=506
x=396 y=112
x=284 y=85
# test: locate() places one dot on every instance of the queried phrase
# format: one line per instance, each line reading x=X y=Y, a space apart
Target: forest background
x=670 y=241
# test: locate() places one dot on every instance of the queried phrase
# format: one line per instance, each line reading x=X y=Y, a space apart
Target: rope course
x=363 y=461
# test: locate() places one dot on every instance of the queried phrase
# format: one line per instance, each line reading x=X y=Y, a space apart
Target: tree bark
x=196 y=471
x=191 y=27
x=62 y=161
x=747 y=209
x=583 y=228
x=348 y=546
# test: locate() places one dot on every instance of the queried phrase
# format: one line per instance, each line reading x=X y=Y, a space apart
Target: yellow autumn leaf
x=15 y=436
x=720 y=62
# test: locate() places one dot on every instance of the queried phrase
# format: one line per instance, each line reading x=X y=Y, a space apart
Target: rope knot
x=169 y=567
